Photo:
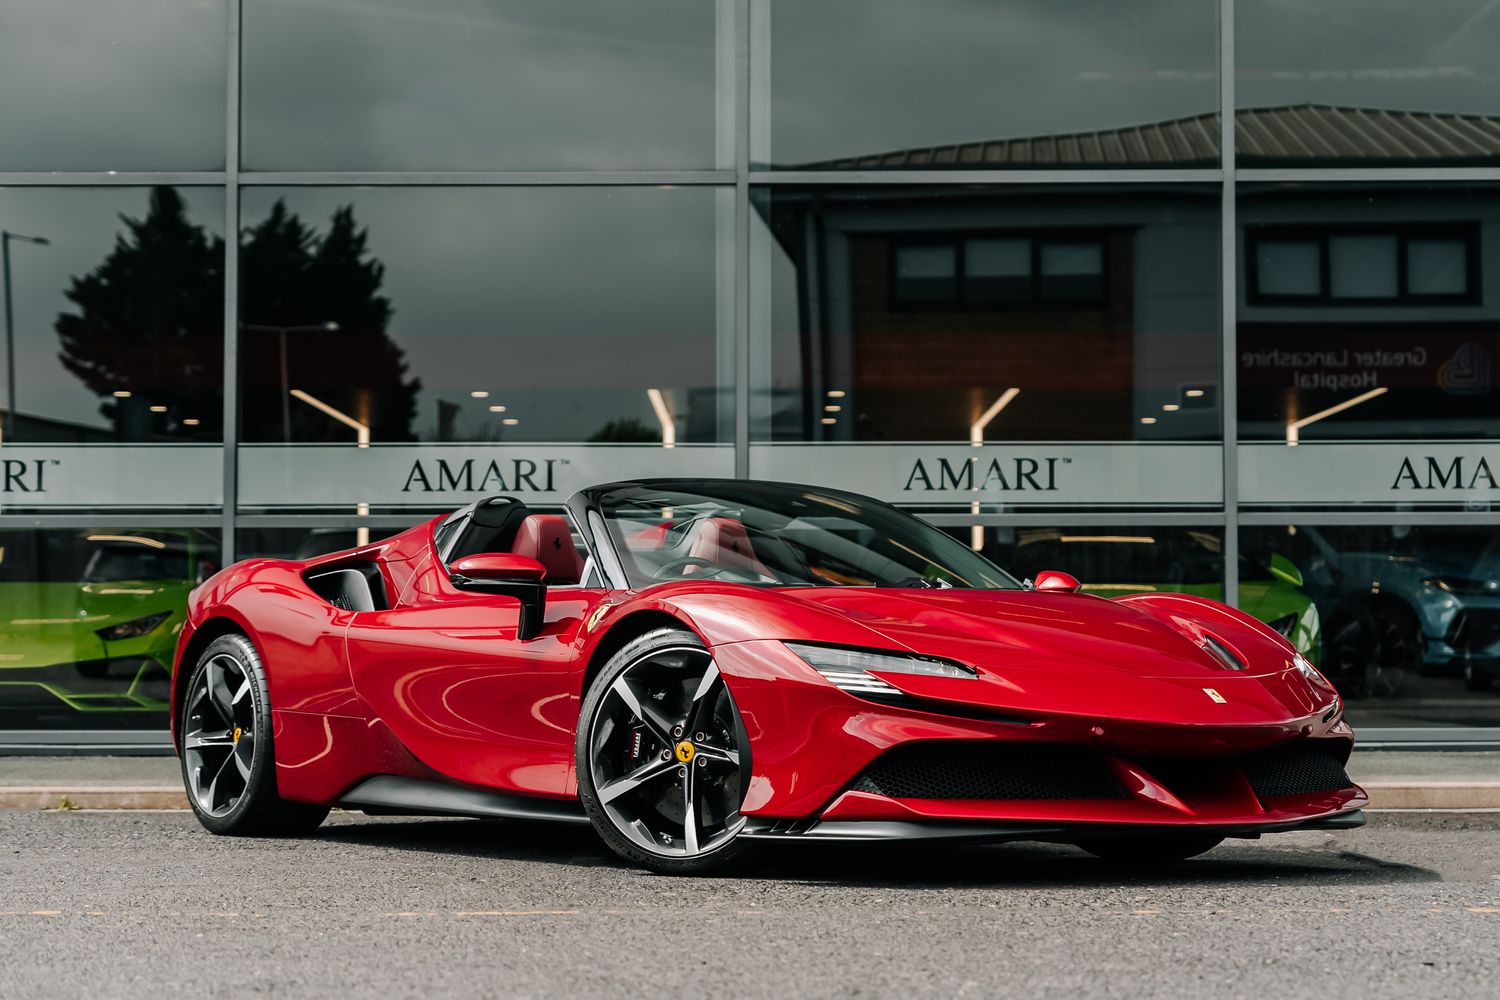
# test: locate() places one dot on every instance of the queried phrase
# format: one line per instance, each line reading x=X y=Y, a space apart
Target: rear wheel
x=1150 y=850
x=663 y=758
x=228 y=760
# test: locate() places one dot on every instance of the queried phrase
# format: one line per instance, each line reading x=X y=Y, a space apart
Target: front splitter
x=850 y=831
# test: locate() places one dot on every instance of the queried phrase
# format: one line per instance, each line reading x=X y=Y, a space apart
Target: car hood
x=1066 y=633
x=1142 y=659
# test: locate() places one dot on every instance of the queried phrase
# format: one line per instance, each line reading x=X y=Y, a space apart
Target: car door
x=444 y=671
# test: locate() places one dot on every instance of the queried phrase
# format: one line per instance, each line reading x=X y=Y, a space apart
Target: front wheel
x=228 y=760
x=663 y=758
x=1151 y=850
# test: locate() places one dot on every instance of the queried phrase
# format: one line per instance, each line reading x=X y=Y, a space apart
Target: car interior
x=505 y=524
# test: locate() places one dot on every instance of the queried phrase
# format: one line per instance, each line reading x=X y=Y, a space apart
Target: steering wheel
x=673 y=570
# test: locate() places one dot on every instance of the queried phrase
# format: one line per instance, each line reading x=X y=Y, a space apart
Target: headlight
x=1285 y=624
x=133 y=629
x=1309 y=671
x=851 y=669
x=1463 y=586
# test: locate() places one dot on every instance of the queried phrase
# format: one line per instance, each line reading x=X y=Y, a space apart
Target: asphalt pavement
x=145 y=904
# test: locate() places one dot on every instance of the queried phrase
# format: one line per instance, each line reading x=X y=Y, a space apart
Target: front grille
x=961 y=770
x=1295 y=769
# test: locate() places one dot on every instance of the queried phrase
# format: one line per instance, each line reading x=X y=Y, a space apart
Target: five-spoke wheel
x=228 y=755
x=663 y=755
x=218 y=742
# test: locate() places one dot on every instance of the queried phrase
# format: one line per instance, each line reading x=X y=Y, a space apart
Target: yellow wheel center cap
x=237 y=732
x=685 y=751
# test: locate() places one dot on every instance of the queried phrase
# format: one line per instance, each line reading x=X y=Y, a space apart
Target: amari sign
x=1012 y=475
x=279 y=476
x=105 y=476
x=1450 y=473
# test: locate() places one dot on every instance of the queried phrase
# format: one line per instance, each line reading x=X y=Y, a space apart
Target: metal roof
x=1297 y=135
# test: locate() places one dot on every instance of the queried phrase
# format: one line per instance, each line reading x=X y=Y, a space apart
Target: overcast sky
x=600 y=84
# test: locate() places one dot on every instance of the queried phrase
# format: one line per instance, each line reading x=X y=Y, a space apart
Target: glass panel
x=479 y=85
x=926 y=274
x=1124 y=324
x=1437 y=267
x=1366 y=82
x=1110 y=561
x=116 y=314
x=1409 y=617
x=1072 y=271
x=102 y=85
x=997 y=270
x=1362 y=267
x=1403 y=368
x=478 y=314
x=1287 y=268
x=956 y=84
x=90 y=621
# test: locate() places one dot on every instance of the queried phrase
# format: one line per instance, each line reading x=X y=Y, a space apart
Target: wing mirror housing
x=510 y=575
x=1056 y=580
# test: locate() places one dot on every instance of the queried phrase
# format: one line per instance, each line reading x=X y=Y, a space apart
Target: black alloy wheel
x=228 y=761
x=663 y=757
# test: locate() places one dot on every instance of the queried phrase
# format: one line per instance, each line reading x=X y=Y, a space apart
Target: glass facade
x=280 y=278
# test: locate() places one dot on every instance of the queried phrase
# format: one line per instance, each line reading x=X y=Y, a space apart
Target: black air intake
x=962 y=770
x=1295 y=769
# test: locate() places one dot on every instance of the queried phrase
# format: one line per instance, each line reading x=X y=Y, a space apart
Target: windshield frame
x=590 y=507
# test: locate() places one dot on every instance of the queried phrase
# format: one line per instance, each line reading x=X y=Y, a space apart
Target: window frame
x=959 y=240
x=1467 y=233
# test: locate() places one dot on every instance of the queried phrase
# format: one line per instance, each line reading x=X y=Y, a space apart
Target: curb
x=1454 y=795
x=68 y=797
x=1446 y=795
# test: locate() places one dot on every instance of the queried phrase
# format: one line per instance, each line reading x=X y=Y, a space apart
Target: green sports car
x=1182 y=561
x=89 y=622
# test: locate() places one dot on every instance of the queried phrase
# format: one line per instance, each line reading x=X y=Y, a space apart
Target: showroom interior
x=1173 y=295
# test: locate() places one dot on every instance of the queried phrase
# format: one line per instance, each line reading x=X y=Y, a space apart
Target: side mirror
x=510 y=575
x=1056 y=580
x=1285 y=570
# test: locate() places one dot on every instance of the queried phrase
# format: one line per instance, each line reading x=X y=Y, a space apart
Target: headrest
x=725 y=542
x=547 y=539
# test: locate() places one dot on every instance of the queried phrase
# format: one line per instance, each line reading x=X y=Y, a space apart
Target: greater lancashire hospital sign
x=1004 y=475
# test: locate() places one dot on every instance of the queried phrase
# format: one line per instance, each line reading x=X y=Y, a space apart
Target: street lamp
x=281 y=332
x=10 y=332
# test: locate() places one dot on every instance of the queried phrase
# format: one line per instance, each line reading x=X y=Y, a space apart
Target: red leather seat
x=725 y=542
x=547 y=539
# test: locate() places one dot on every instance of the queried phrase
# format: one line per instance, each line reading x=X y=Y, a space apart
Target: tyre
x=1397 y=654
x=1151 y=850
x=1374 y=653
x=228 y=759
x=663 y=758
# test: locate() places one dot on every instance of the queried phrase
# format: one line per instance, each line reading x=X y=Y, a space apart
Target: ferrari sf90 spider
x=695 y=666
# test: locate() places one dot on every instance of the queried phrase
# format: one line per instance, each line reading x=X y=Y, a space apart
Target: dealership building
x=1169 y=294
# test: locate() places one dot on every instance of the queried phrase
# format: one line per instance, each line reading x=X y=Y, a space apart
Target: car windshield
x=784 y=536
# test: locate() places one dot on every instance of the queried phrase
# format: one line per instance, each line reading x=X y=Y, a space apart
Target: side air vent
x=1295 y=769
x=360 y=588
x=963 y=770
x=1222 y=652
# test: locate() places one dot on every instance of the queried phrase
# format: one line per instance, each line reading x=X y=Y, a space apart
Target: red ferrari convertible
x=694 y=666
